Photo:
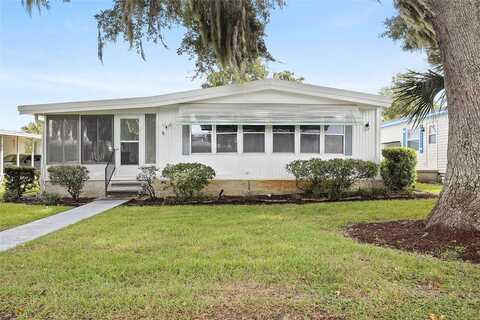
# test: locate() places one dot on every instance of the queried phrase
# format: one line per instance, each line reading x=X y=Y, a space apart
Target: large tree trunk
x=457 y=28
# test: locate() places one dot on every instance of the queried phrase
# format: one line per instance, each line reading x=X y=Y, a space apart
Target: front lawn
x=429 y=187
x=14 y=214
x=231 y=262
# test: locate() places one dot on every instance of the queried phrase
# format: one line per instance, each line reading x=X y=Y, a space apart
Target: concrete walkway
x=13 y=237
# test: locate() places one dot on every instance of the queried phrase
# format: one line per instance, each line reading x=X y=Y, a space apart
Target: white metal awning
x=268 y=114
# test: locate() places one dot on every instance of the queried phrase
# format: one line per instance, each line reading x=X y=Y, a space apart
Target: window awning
x=268 y=114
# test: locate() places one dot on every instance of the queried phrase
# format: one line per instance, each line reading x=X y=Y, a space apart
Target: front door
x=129 y=148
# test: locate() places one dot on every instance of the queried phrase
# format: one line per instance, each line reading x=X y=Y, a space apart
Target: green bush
x=72 y=178
x=187 y=179
x=49 y=199
x=18 y=180
x=147 y=177
x=330 y=177
x=398 y=168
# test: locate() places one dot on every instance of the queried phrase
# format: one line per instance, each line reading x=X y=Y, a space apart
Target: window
x=97 y=138
x=226 y=138
x=310 y=139
x=150 y=138
x=253 y=139
x=201 y=138
x=413 y=139
x=284 y=139
x=334 y=139
x=62 y=139
x=432 y=134
x=129 y=141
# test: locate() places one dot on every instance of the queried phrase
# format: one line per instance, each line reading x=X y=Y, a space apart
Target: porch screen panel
x=62 y=139
x=54 y=140
x=97 y=138
x=150 y=138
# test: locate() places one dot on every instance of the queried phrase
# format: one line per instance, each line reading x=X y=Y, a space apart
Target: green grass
x=14 y=214
x=429 y=187
x=182 y=261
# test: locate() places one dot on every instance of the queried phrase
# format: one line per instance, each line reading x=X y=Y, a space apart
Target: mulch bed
x=66 y=201
x=275 y=199
x=411 y=235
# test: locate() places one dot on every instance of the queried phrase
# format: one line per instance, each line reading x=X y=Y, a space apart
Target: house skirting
x=428 y=176
x=96 y=188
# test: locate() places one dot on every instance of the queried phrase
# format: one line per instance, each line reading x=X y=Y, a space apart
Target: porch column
x=1 y=158
x=18 y=154
x=33 y=153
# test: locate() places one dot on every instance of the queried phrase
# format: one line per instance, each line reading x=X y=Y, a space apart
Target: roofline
x=19 y=134
x=208 y=93
x=395 y=122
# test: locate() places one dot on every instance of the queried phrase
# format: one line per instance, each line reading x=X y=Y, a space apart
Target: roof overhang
x=346 y=96
x=19 y=134
x=268 y=114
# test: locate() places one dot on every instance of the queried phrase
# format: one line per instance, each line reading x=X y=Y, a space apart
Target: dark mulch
x=276 y=199
x=63 y=201
x=411 y=235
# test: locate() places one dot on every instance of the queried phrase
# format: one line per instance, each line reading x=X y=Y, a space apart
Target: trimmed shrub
x=398 y=168
x=18 y=180
x=49 y=199
x=330 y=177
x=72 y=178
x=147 y=176
x=187 y=179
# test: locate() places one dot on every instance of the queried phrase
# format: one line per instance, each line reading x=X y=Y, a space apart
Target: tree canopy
x=229 y=34
x=256 y=71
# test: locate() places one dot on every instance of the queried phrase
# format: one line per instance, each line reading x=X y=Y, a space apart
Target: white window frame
x=409 y=137
x=213 y=141
x=226 y=133
x=264 y=139
x=333 y=134
x=319 y=134
x=283 y=133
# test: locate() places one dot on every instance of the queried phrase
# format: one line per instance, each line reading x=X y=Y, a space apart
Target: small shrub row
x=331 y=178
x=185 y=179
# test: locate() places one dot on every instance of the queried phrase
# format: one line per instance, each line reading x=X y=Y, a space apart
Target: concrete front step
x=124 y=188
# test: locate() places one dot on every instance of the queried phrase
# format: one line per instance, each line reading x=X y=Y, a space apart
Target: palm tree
x=420 y=93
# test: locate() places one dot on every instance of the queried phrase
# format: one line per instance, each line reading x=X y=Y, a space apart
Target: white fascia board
x=204 y=94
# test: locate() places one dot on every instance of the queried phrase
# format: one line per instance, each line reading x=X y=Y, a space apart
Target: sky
x=52 y=56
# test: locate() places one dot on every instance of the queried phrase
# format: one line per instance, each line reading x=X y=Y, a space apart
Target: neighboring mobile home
x=19 y=149
x=429 y=139
x=247 y=132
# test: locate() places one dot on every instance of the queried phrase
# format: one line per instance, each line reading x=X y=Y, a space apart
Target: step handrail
x=109 y=170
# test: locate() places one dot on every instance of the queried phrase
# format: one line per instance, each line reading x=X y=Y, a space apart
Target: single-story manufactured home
x=247 y=133
x=19 y=149
x=429 y=139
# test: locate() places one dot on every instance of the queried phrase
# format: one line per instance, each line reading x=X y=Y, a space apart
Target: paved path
x=13 y=237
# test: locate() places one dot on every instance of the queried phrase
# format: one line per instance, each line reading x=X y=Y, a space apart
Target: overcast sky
x=52 y=57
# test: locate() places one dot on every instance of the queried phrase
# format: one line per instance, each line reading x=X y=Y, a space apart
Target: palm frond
x=420 y=93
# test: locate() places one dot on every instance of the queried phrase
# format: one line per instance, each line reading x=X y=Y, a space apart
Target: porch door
x=130 y=145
